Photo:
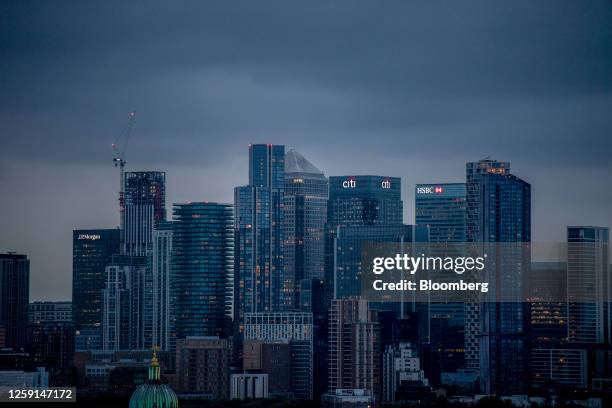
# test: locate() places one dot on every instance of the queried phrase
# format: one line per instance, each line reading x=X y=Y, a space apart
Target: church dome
x=154 y=394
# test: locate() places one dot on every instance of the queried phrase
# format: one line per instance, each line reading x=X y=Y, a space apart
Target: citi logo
x=430 y=190
x=386 y=183
x=349 y=183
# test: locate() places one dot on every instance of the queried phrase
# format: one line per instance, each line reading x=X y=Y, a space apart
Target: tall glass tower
x=259 y=284
x=361 y=209
x=305 y=216
x=499 y=211
x=202 y=268
x=588 y=283
x=92 y=250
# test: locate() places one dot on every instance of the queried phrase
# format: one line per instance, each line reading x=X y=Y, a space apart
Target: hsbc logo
x=430 y=190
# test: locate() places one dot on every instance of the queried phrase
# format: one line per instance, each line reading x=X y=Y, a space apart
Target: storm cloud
x=404 y=88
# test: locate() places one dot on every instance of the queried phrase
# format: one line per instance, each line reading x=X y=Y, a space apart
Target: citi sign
x=349 y=183
x=430 y=190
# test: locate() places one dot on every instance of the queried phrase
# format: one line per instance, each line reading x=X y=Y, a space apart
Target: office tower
x=353 y=346
x=203 y=366
x=401 y=364
x=43 y=312
x=14 y=298
x=364 y=200
x=143 y=206
x=160 y=281
x=259 y=280
x=589 y=297
x=293 y=329
x=123 y=319
x=92 y=250
x=499 y=212
x=442 y=209
x=361 y=209
x=347 y=246
x=588 y=286
x=305 y=216
x=202 y=268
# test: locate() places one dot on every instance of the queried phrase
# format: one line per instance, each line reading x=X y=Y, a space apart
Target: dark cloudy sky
x=403 y=88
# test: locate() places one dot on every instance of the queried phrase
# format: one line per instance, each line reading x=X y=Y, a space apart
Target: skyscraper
x=499 y=211
x=14 y=298
x=124 y=324
x=441 y=208
x=305 y=216
x=160 y=269
x=143 y=206
x=92 y=250
x=361 y=209
x=364 y=200
x=259 y=284
x=202 y=268
x=588 y=290
x=589 y=297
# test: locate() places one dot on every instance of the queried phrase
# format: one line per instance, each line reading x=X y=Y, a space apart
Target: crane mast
x=119 y=149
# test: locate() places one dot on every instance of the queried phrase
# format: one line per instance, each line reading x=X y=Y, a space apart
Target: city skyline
x=536 y=97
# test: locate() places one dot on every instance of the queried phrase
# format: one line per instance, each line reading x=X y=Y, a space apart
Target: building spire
x=154 y=370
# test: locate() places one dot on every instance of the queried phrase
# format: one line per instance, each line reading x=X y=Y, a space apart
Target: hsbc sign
x=430 y=190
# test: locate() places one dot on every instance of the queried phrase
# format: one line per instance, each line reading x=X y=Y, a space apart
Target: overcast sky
x=400 y=88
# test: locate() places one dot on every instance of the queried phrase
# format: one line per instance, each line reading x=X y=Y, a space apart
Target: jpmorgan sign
x=89 y=237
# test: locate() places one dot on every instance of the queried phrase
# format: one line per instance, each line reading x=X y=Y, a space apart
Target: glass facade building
x=361 y=209
x=442 y=208
x=259 y=284
x=588 y=287
x=305 y=216
x=92 y=250
x=160 y=269
x=202 y=268
x=499 y=211
x=364 y=200
x=126 y=304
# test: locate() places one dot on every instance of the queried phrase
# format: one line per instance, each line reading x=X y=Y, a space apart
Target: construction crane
x=119 y=149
